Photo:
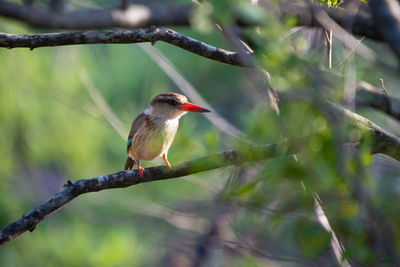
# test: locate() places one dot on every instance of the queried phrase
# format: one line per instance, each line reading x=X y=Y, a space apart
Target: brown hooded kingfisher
x=153 y=131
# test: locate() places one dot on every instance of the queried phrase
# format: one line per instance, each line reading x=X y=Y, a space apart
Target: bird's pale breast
x=153 y=139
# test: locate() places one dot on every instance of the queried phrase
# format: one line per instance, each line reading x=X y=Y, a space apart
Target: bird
x=153 y=131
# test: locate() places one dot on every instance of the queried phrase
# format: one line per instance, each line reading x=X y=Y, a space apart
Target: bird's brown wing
x=136 y=124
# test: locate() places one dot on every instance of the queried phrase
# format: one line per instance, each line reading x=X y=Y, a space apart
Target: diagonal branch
x=383 y=142
x=133 y=16
x=71 y=190
x=151 y=34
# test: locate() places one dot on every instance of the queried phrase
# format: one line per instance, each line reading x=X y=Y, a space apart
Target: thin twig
x=350 y=52
x=384 y=90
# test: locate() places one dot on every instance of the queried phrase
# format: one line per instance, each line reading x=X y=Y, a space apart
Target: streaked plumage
x=153 y=131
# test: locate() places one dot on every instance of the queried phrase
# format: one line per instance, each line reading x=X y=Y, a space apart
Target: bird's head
x=171 y=106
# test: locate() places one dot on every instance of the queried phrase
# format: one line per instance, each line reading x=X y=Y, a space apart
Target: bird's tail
x=129 y=164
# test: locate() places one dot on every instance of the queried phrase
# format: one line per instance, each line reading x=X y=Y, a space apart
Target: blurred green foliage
x=52 y=131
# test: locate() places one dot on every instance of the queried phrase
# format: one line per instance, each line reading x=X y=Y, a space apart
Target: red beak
x=192 y=108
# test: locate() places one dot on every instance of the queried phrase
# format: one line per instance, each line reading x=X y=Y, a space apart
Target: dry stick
x=329 y=43
x=350 y=52
x=151 y=34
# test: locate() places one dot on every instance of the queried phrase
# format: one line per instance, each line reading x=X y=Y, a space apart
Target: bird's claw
x=141 y=171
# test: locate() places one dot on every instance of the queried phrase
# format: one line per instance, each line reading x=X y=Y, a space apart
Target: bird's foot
x=168 y=165
x=141 y=171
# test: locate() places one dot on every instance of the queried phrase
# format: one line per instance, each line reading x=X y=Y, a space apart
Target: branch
x=383 y=142
x=151 y=34
x=134 y=16
x=370 y=96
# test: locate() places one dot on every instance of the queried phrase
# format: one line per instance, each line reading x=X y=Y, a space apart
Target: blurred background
x=65 y=114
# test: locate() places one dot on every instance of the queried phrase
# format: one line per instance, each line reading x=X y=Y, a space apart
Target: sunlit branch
x=151 y=34
x=133 y=16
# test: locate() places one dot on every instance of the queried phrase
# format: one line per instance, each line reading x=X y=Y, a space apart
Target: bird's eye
x=172 y=102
